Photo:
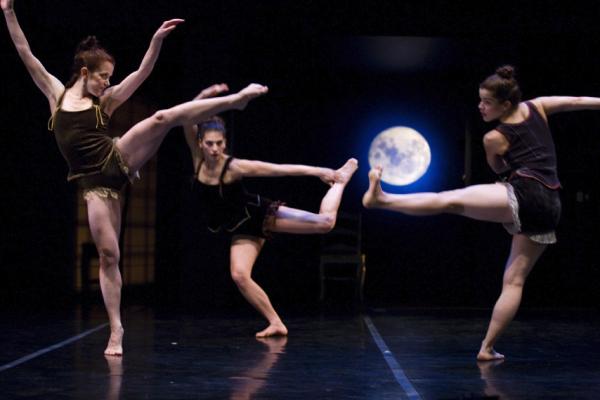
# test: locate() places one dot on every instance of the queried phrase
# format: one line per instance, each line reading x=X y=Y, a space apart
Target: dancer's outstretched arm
x=191 y=131
x=243 y=168
x=48 y=84
x=555 y=104
x=496 y=144
x=116 y=95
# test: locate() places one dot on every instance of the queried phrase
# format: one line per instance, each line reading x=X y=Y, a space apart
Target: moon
x=403 y=153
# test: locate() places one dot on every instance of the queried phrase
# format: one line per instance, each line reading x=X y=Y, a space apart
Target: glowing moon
x=402 y=152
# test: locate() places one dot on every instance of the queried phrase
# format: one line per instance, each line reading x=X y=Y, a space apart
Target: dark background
x=337 y=74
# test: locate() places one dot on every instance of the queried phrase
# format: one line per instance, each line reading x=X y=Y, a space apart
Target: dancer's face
x=490 y=108
x=97 y=81
x=212 y=145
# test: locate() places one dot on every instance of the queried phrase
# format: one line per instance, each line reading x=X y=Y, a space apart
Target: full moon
x=403 y=153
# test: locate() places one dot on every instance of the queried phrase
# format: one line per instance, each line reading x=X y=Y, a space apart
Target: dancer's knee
x=240 y=277
x=514 y=280
x=109 y=257
x=326 y=223
x=164 y=118
x=450 y=202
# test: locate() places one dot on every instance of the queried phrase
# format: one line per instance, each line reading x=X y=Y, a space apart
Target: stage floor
x=379 y=354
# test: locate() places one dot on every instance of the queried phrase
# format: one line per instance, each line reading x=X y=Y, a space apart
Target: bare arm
x=496 y=145
x=48 y=84
x=259 y=168
x=191 y=131
x=555 y=104
x=118 y=94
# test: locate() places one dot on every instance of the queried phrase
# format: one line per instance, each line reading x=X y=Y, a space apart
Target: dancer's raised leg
x=292 y=220
x=481 y=202
x=243 y=254
x=141 y=142
x=523 y=255
x=104 y=216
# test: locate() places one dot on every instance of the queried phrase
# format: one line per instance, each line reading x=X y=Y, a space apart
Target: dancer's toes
x=373 y=195
x=250 y=92
x=275 y=329
x=375 y=174
x=489 y=355
x=344 y=174
x=115 y=343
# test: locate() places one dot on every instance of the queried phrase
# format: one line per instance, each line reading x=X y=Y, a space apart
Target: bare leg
x=523 y=255
x=104 y=217
x=292 y=220
x=481 y=202
x=141 y=142
x=244 y=252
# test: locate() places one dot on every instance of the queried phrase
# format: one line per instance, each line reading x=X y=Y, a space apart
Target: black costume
x=92 y=157
x=230 y=208
x=533 y=183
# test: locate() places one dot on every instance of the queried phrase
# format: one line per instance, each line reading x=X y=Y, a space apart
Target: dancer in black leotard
x=250 y=218
x=80 y=113
x=528 y=204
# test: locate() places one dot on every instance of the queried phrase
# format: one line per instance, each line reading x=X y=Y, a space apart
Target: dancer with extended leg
x=528 y=204
x=251 y=218
x=81 y=111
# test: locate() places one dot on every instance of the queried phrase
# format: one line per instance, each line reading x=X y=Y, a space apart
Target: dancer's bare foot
x=275 y=329
x=374 y=194
x=115 y=343
x=489 y=354
x=212 y=91
x=250 y=92
x=344 y=173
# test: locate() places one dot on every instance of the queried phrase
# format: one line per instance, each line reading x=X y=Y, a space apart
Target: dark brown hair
x=503 y=85
x=89 y=54
x=214 y=123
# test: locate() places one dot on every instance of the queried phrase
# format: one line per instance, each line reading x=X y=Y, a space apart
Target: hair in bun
x=88 y=54
x=503 y=85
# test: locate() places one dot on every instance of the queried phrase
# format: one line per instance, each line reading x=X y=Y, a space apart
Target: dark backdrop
x=336 y=73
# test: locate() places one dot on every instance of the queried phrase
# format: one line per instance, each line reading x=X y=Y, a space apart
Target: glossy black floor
x=550 y=355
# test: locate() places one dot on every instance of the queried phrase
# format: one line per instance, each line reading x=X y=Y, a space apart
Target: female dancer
x=250 y=218
x=81 y=110
x=528 y=204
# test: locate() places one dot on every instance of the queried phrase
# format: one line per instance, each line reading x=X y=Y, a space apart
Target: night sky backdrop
x=338 y=74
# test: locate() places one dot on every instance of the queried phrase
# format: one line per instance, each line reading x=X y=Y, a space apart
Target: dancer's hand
x=212 y=91
x=164 y=29
x=327 y=175
x=7 y=5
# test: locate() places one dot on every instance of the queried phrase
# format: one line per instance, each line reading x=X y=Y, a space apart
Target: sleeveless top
x=226 y=205
x=531 y=153
x=82 y=138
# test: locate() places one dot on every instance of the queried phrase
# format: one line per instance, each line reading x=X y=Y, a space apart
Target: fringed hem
x=514 y=227
x=270 y=217
x=132 y=176
x=102 y=192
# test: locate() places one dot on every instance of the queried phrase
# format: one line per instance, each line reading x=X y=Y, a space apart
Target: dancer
x=528 y=204
x=251 y=218
x=81 y=110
